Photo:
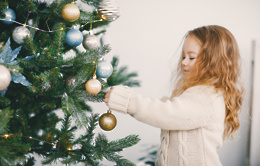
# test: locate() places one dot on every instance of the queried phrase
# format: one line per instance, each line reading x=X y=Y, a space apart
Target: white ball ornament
x=90 y=42
x=93 y=86
x=104 y=69
x=20 y=33
x=5 y=77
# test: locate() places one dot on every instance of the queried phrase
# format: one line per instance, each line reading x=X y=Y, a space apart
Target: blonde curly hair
x=218 y=64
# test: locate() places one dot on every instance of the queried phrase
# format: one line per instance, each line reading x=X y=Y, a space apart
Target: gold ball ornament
x=107 y=121
x=108 y=10
x=70 y=12
x=93 y=86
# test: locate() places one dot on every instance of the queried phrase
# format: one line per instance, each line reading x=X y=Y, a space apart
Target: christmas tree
x=37 y=78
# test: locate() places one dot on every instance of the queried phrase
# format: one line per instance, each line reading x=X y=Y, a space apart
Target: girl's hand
x=108 y=95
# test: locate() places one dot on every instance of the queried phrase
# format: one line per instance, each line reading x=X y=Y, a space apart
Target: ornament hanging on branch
x=93 y=86
x=10 y=16
x=108 y=10
x=5 y=77
x=104 y=69
x=20 y=33
x=74 y=37
x=90 y=42
x=107 y=121
x=70 y=12
x=70 y=81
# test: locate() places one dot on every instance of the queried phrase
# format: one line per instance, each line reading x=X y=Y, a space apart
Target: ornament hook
x=90 y=28
x=94 y=62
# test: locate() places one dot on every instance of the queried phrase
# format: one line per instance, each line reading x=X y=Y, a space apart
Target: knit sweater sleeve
x=192 y=109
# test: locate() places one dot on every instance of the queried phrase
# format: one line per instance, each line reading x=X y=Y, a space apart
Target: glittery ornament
x=70 y=12
x=104 y=69
x=10 y=16
x=107 y=121
x=93 y=86
x=70 y=81
x=90 y=42
x=5 y=77
x=20 y=33
x=74 y=37
x=108 y=10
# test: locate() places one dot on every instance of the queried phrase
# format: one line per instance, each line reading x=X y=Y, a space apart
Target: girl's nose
x=184 y=62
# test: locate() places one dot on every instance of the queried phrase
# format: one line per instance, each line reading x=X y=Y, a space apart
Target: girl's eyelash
x=190 y=58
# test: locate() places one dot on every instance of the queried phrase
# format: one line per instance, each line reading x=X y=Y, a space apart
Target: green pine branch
x=121 y=76
x=11 y=148
x=94 y=3
x=33 y=121
x=110 y=149
x=91 y=151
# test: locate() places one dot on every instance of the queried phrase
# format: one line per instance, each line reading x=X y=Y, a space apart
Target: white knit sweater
x=192 y=124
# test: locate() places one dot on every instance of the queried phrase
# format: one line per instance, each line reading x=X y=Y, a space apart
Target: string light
x=6 y=135
x=50 y=31
x=30 y=137
x=38 y=140
x=25 y=25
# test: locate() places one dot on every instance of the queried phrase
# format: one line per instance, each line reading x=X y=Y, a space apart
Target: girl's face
x=190 y=51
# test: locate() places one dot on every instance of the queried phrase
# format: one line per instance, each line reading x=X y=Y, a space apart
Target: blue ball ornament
x=104 y=69
x=9 y=15
x=74 y=37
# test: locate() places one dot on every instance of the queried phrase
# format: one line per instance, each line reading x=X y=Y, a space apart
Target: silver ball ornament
x=71 y=81
x=5 y=77
x=108 y=10
x=90 y=42
x=20 y=33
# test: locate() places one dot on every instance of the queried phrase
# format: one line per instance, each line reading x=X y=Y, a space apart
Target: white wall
x=255 y=136
x=145 y=38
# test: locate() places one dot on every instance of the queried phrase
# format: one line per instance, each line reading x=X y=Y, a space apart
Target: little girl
x=203 y=108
